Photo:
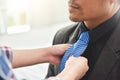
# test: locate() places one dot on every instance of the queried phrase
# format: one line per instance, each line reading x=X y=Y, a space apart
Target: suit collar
x=75 y=35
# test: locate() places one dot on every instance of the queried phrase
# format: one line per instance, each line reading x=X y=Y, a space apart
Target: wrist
x=66 y=75
x=52 y=55
x=47 y=54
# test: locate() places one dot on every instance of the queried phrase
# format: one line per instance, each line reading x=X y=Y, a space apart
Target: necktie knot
x=84 y=37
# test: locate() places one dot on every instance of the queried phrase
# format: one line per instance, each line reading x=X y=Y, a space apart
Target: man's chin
x=75 y=19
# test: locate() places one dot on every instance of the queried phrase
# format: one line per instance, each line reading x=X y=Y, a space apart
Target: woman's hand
x=56 y=52
x=75 y=68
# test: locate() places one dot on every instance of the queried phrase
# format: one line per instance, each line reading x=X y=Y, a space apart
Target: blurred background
x=27 y=24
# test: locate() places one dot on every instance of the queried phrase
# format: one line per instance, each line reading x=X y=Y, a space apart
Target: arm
x=34 y=56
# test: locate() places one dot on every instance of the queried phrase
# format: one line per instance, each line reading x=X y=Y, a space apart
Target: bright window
x=15 y=16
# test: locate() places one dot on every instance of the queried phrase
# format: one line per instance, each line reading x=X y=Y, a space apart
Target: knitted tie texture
x=76 y=49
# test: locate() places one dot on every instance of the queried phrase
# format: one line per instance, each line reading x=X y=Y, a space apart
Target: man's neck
x=91 y=24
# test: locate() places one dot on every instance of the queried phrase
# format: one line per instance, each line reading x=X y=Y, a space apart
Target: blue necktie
x=76 y=49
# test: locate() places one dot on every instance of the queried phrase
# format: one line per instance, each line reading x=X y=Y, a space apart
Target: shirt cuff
x=8 y=52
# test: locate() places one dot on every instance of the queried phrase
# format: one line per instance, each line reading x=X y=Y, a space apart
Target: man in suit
x=102 y=19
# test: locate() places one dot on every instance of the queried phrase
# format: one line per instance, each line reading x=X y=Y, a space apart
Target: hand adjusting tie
x=76 y=49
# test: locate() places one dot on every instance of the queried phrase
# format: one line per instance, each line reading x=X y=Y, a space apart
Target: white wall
x=2 y=16
x=44 y=12
x=47 y=12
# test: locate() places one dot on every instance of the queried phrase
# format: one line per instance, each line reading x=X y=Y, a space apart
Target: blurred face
x=88 y=10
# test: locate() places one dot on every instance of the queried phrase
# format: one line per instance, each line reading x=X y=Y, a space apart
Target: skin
x=41 y=55
x=92 y=12
x=77 y=71
x=52 y=55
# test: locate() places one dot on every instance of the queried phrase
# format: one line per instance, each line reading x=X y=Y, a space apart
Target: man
x=102 y=19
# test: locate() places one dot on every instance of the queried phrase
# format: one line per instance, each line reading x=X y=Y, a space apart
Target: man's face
x=85 y=10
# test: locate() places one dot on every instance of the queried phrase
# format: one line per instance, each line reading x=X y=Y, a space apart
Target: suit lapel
x=75 y=35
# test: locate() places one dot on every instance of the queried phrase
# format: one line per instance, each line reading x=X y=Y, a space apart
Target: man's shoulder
x=62 y=35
